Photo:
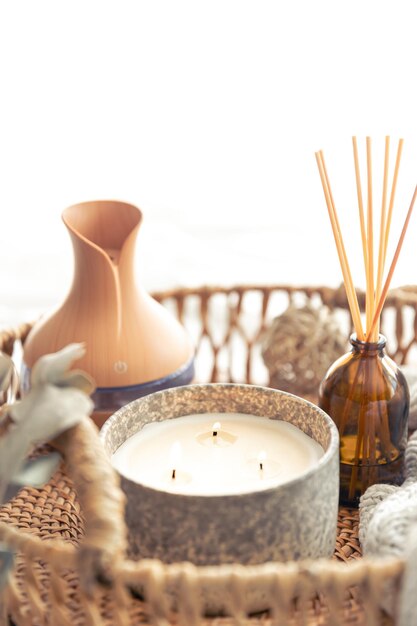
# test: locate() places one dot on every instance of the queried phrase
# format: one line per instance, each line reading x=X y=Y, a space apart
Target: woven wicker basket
x=71 y=538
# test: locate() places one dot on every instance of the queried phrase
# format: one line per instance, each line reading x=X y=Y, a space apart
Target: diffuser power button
x=120 y=367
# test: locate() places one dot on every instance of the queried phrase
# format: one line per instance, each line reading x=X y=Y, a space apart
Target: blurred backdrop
x=206 y=115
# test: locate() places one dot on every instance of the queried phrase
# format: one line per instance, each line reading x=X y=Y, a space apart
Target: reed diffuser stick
x=381 y=259
x=392 y=196
x=383 y=296
x=360 y=203
x=347 y=277
x=369 y=308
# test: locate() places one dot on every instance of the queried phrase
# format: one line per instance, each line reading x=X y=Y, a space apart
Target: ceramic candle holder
x=291 y=521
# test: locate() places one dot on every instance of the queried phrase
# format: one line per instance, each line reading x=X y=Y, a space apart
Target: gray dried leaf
x=6 y=564
x=33 y=473
x=79 y=380
x=37 y=472
x=52 y=368
x=14 y=448
x=47 y=410
x=6 y=371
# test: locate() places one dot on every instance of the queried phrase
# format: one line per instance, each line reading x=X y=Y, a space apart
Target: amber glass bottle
x=367 y=396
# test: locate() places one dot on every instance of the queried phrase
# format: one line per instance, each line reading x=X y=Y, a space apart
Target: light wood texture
x=392 y=196
x=382 y=225
x=360 y=202
x=347 y=276
x=383 y=296
x=370 y=287
x=375 y=295
x=130 y=338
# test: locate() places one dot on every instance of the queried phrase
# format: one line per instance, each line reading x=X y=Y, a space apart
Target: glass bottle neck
x=368 y=347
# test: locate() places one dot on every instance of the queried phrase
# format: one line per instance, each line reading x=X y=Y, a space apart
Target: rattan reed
x=70 y=536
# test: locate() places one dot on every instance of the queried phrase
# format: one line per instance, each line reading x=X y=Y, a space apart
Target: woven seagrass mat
x=54 y=512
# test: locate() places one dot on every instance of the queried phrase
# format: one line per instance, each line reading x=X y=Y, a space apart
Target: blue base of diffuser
x=113 y=398
x=110 y=399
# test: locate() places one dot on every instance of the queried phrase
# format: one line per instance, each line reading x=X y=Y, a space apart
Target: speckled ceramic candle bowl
x=291 y=521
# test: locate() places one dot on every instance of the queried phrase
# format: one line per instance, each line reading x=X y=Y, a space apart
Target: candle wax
x=206 y=467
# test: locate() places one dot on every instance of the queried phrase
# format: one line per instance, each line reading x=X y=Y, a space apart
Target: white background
x=206 y=115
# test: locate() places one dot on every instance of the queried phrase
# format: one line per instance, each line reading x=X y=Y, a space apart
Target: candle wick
x=215 y=430
x=174 y=471
x=261 y=459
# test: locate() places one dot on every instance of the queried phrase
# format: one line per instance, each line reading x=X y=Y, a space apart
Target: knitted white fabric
x=410 y=373
x=388 y=522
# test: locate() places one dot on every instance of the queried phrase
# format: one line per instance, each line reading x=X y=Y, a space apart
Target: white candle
x=220 y=454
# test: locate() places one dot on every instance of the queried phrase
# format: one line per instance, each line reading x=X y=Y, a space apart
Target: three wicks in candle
x=176 y=453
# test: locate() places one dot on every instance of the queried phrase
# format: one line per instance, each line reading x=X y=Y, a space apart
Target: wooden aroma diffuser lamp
x=134 y=346
x=364 y=391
